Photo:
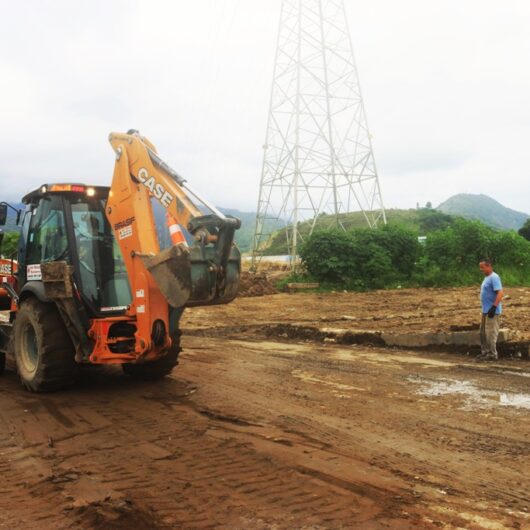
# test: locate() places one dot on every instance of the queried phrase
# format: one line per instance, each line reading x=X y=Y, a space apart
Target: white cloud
x=445 y=86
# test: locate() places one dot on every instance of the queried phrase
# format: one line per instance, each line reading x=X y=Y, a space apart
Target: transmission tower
x=318 y=162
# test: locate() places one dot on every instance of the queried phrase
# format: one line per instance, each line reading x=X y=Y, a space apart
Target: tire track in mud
x=205 y=480
x=26 y=483
x=111 y=455
x=444 y=466
x=36 y=491
x=256 y=437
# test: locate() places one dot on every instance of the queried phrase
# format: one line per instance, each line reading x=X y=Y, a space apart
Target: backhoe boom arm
x=205 y=273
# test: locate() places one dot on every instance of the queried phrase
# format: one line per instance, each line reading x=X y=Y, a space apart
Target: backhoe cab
x=100 y=277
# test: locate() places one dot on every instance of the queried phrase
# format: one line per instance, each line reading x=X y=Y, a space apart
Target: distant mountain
x=485 y=209
x=245 y=234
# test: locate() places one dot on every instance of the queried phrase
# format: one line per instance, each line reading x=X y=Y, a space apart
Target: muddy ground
x=254 y=431
x=410 y=310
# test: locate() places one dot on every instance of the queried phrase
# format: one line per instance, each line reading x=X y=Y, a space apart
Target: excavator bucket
x=171 y=270
x=208 y=288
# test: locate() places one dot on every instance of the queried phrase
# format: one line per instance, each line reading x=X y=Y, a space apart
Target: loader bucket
x=171 y=270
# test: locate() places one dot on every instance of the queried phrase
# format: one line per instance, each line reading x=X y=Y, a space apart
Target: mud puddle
x=518 y=374
x=474 y=397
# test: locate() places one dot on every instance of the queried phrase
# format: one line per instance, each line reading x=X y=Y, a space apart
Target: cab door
x=46 y=237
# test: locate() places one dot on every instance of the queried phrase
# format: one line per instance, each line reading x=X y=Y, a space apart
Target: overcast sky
x=446 y=88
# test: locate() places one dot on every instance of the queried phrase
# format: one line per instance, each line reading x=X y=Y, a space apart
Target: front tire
x=152 y=370
x=44 y=353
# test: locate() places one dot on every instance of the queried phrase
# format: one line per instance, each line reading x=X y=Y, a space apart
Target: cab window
x=47 y=239
x=104 y=280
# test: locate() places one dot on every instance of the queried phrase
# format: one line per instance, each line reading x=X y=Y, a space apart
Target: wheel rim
x=29 y=353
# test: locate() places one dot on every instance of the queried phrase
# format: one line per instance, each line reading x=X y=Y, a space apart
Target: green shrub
x=10 y=244
x=524 y=231
x=329 y=256
x=362 y=258
x=384 y=257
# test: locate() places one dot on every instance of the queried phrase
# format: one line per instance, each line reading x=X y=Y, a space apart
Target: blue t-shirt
x=490 y=284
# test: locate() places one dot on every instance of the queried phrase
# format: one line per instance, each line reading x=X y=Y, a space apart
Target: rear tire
x=152 y=370
x=44 y=353
x=2 y=362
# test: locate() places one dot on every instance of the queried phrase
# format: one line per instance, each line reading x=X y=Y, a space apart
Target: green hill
x=422 y=221
x=245 y=234
x=485 y=209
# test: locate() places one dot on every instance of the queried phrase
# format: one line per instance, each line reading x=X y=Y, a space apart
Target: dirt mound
x=255 y=284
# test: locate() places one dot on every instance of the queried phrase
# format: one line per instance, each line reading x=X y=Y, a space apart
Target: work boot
x=486 y=357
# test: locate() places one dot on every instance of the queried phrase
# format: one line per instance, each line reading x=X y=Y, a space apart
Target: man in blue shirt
x=490 y=298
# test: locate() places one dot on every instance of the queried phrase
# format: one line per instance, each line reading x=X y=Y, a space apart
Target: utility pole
x=318 y=162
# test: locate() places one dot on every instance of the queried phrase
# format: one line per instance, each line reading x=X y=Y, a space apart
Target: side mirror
x=3 y=213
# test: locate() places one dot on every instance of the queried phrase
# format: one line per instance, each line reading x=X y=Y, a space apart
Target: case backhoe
x=96 y=285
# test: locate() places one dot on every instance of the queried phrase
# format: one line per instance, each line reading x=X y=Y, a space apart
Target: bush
x=361 y=259
x=374 y=269
x=431 y=220
x=524 y=231
x=329 y=255
x=384 y=257
x=10 y=244
x=466 y=242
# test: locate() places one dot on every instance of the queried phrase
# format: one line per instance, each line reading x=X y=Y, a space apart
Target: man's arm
x=498 y=298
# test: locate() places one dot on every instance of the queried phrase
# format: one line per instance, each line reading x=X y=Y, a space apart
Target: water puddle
x=515 y=400
x=474 y=397
x=519 y=374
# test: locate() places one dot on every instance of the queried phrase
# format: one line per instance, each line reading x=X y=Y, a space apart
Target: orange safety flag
x=177 y=236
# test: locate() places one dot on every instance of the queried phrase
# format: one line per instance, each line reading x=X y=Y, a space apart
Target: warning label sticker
x=33 y=272
x=125 y=232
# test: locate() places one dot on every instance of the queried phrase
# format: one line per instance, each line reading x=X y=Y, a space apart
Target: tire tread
x=57 y=367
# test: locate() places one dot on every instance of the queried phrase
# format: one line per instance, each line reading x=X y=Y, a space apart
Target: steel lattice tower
x=318 y=156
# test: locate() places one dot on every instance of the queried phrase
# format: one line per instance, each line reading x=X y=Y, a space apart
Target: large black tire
x=152 y=370
x=2 y=362
x=44 y=353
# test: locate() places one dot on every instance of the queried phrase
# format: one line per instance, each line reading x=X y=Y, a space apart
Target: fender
x=34 y=288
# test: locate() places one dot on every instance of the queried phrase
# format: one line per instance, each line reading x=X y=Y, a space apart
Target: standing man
x=490 y=297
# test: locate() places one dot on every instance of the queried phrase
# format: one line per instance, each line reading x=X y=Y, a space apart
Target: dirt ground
x=395 y=310
x=270 y=433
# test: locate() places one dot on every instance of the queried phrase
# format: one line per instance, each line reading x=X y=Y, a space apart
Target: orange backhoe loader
x=96 y=285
